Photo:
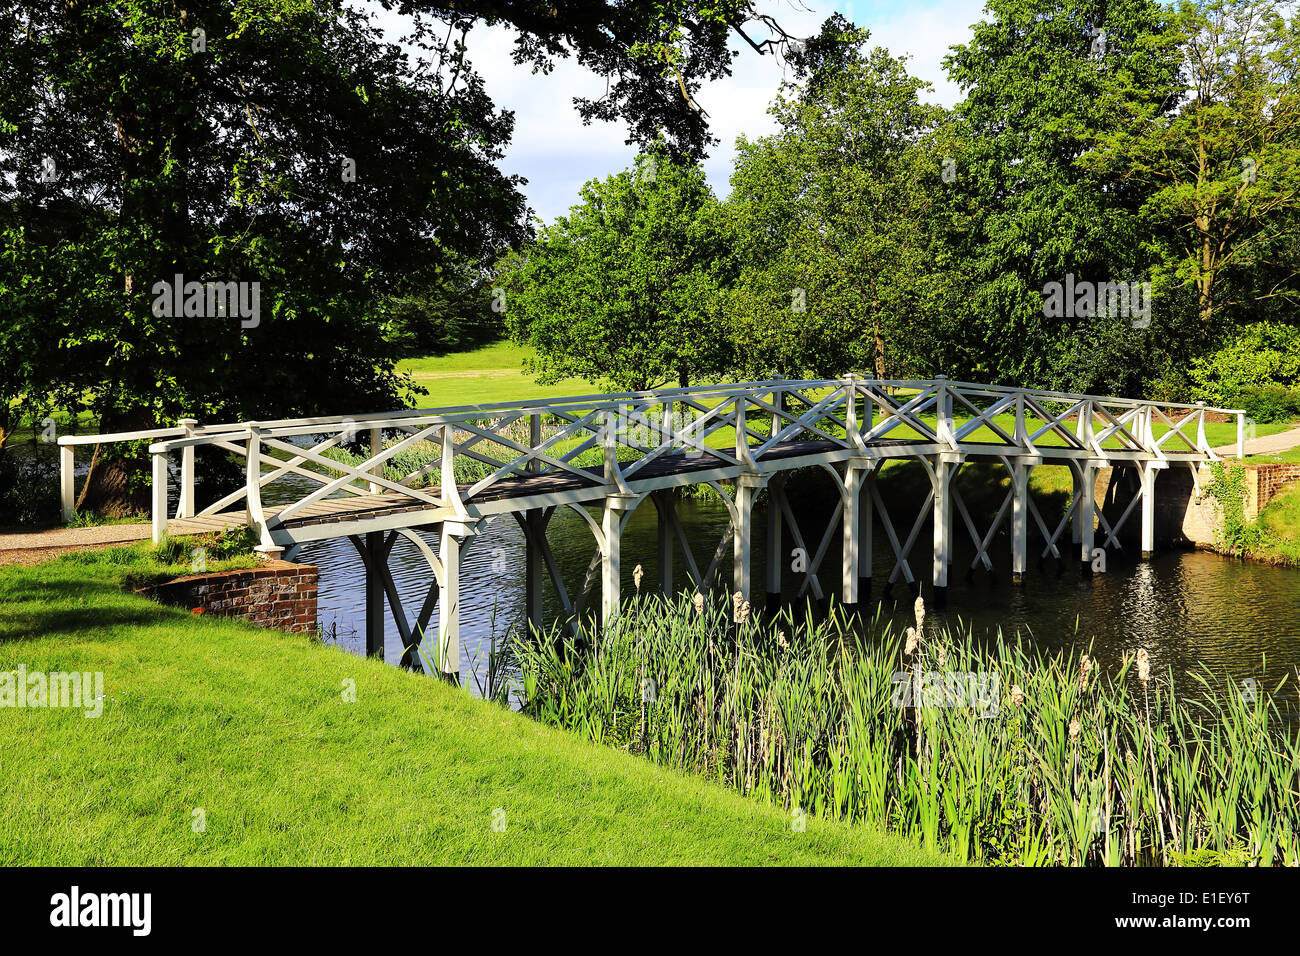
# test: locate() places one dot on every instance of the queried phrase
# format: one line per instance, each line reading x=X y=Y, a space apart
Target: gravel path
x=1265 y=445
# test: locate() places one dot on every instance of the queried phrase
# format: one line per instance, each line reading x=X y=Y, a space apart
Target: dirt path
x=32 y=547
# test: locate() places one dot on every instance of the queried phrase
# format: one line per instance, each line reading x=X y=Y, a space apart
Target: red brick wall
x=1271 y=478
x=276 y=594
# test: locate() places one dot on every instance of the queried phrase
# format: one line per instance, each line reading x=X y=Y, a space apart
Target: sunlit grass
x=249 y=731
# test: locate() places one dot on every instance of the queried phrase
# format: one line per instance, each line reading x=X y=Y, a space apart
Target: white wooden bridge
x=602 y=456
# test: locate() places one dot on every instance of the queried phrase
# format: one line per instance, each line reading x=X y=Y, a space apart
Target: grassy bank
x=1005 y=755
x=251 y=728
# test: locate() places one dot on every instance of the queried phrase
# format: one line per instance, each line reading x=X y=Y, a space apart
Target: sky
x=556 y=153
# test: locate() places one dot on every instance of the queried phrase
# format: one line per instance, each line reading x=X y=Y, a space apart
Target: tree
x=1222 y=173
x=836 y=223
x=624 y=289
x=655 y=53
x=279 y=145
x=1037 y=76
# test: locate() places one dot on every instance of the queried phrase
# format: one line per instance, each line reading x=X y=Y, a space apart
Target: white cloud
x=556 y=153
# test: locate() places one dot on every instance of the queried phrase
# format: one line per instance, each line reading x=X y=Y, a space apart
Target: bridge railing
x=448 y=458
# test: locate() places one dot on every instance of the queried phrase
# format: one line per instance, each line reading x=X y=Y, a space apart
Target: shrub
x=1268 y=403
x=1256 y=355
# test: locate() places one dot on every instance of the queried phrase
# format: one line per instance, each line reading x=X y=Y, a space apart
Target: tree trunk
x=117 y=486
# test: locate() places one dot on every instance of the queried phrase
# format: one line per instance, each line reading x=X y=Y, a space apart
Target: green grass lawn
x=251 y=728
x=492 y=373
x=1290 y=456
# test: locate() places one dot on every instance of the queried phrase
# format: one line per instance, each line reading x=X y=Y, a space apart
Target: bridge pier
x=747 y=488
x=1020 y=471
x=457 y=533
x=775 y=553
x=1086 y=494
x=866 y=518
x=613 y=517
x=664 y=507
x=945 y=467
x=535 y=522
x=1148 y=475
x=378 y=555
x=855 y=533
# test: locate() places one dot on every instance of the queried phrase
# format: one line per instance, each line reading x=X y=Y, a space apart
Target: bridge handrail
x=823 y=409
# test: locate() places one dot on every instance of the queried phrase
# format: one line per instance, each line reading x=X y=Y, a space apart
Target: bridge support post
x=855 y=475
x=456 y=535
x=611 y=556
x=1020 y=472
x=534 y=568
x=377 y=555
x=1084 y=514
x=747 y=487
x=186 y=507
x=1147 y=476
x=535 y=522
x=943 y=472
x=664 y=509
x=775 y=552
x=866 y=519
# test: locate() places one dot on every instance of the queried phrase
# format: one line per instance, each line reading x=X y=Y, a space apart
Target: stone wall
x=275 y=594
x=1184 y=517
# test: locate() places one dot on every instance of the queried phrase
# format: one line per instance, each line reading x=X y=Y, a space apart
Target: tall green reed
x=1002 y=754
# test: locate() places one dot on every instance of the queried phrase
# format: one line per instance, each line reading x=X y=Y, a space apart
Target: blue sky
x=556 y=153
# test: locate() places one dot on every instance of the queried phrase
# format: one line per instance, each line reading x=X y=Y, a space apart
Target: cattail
x=1017 y=695
x=913 y=638
x=920 y=612
x=637 y=575
x=699 y=603
x=737 y=600
x=1085 y=667
x=742 y=615
x=1075 y=727
x=1144 y=666
x=943 y=657
x=781 y=642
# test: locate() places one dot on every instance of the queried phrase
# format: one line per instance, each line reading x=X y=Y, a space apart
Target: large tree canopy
x=1221 y=175
x=281 y=145
x=655 y=54
x=1039 y=78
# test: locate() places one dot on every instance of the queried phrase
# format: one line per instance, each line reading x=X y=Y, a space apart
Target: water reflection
x=1184 y=607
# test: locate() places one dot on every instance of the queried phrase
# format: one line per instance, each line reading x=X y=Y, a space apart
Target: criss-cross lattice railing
x=451 y=460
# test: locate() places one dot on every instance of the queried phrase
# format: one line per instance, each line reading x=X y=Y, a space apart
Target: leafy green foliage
x=1038 y=74
x=624 y=289
x=834 y=223
x=226 y=155
x=1251 y=357
x=1219 y=176
x=1269 y=403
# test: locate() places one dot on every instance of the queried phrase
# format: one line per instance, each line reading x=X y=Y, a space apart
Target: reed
x=1028 y=759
